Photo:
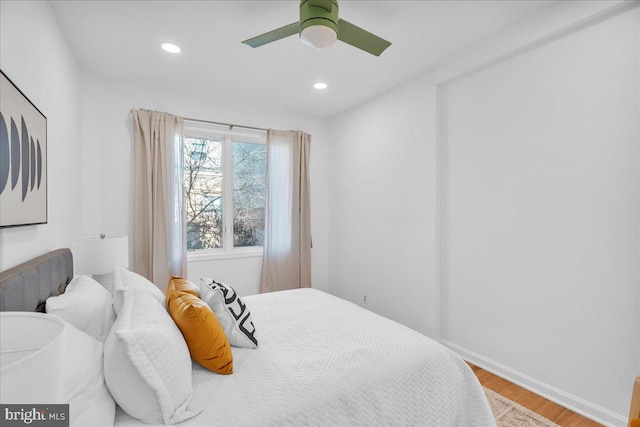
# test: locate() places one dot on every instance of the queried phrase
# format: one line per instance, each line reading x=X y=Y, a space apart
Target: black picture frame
x=23 y=159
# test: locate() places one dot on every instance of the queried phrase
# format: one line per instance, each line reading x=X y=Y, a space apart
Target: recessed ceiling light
x=170 y=47
x=320 y=85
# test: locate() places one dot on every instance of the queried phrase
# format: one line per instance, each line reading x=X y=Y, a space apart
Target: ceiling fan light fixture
x=318 y=36
x=320 y=27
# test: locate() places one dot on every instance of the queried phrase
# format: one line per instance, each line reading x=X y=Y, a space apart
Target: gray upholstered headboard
x=25 y=286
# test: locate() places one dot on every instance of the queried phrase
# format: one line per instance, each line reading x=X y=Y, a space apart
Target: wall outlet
x=364 y=299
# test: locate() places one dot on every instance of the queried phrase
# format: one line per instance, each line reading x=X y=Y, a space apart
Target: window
x=224 y=187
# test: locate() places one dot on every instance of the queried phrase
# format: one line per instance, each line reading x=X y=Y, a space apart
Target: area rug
x=510 y=414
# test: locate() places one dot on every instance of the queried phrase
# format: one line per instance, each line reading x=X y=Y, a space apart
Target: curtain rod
x=231 y=125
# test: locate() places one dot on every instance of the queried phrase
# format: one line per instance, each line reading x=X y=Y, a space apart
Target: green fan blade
x=362 y=39
x=271 y=36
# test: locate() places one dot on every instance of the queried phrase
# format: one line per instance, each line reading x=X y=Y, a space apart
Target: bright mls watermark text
x=34 y=415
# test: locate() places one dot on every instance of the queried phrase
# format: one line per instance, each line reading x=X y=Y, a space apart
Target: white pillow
x=84 y=389
x=231 y=311
x=147 y=365
x=86 y=305
x=125 y=279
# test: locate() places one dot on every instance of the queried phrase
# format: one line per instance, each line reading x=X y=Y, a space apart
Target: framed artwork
x=23 y=158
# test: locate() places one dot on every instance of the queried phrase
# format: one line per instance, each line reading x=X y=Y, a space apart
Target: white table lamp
x=31 y=351
x=98 y=255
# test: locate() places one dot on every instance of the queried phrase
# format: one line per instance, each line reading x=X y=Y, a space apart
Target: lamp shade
x=31 y=351
x=100 y=254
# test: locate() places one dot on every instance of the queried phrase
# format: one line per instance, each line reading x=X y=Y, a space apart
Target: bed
x=322 y=361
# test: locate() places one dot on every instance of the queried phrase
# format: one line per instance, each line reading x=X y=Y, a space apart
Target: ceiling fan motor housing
x=319 y=12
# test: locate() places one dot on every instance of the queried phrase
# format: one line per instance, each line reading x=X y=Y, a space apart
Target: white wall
x=243 y=273
x=107 y=163
x=383 y=205
x=543 y=213
x=35 y=56
x=536 y=271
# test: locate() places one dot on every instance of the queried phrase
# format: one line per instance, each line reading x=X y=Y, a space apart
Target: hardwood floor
x=552 y=411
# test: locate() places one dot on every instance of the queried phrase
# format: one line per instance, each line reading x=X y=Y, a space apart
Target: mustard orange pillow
x=183 y=285
x=207 y=343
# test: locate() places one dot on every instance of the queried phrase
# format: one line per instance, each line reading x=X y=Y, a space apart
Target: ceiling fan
x=320 y=26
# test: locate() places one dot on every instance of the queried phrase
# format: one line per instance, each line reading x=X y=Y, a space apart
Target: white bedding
x=323 y=361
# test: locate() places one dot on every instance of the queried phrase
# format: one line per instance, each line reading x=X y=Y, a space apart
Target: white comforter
x=323 y=361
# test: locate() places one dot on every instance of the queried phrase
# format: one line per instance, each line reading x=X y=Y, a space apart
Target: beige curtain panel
x=286 y=263
x=159 y=229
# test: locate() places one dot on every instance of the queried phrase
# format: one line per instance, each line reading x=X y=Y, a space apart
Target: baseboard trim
x=576 y=404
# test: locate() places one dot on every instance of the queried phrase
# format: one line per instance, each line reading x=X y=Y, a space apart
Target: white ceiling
x=122 y=39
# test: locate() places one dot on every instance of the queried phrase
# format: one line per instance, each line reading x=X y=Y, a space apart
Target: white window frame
x=227 y=135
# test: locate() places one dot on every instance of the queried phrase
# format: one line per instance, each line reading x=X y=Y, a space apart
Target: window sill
x=210 y=256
